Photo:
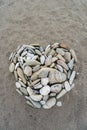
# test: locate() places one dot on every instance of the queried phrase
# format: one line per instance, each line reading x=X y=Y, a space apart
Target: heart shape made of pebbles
x=43 y=75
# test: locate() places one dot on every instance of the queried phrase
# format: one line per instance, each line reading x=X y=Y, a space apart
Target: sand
x=43 y=22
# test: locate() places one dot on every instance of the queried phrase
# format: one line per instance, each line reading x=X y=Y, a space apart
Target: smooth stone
x=37 y=86
x=61 y=58
x=36 y=68
x=67 y=86
x=22 y=84
x=28 y=70
x=30 y=91
x=32 y=62
x=50 y=103
x=61 y=94
x=38 y=52
x=63 y=64
x=60 y=51
x=56 y=88
x=47 y=50
x=54 y=59
x=52 y=52
x=52 y=94
x=42 y=102
x=23 y=90
x=72 y=77
x=67 y=56
x=55 y=45
x=73 y=54
x=29 y=103
x=15 y=74
x=24 y=53
x=48 y=60
x=11 y=67
x=21 y=75
x=35 y=82
x=44 y=81
x=35 y=104
x=36 y=97
x=19 y=91
x=56 y=76
x=71 y=64
x=18 y=85
x=62 y=45
x=60 y=68
x=42 y=59
x=17 y=65
x=59 y=103
x=45 y=90
x=45 y=98
x=69 y=74
x=35 y=57
x=52 y=65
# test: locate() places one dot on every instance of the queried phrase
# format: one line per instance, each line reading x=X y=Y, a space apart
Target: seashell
x=67 y=56
x=30 y=91
x=22 y=84
x=62 y=45
x=35 y=82
x=55 y=45
x=47 y=50
x=38 y=52
x=37 y=86
x=60 y=68
x=61 y=58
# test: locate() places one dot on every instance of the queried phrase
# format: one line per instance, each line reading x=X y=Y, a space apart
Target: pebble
x=60 y=51
x=21 y=75
x=56 y=76
x=43 y=75
x=35 y=104
x=61 y=94
x=67 y=56
x=45 y=90
x=18 y=85
x=50 y=103
x=67 y=86
x=11 y=67
x=23 y=90
x=35 y=82
x=63 y=64
x=48 y=60
x=44 y=81
x=28 y=70
x=38 y=86
x=73 y=54
x=60 y=68
x=72 y=77
x=59 y=104
x=32 y=62
x=36 y=97
x=56 y=88
x=42 y=59
x=71 y=64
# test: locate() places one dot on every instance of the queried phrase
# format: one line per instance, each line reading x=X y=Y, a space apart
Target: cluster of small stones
x=43 y=76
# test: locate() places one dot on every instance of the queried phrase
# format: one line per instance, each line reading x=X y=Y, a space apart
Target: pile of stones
x=43 y=76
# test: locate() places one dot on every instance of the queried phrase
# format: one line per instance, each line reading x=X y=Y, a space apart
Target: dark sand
x=44 y=22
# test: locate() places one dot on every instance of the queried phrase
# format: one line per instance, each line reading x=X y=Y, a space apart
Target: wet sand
x=43 y=22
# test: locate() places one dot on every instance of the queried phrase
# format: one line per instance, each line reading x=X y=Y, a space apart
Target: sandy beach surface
x=43 y=22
